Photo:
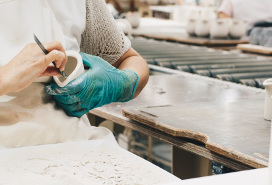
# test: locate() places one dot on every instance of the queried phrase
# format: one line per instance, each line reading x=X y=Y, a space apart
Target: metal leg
x=150 y=148
x=186 y=165
x=95 y=120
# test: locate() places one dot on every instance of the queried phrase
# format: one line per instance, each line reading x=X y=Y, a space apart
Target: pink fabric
x=227 y=8
x=249 y=11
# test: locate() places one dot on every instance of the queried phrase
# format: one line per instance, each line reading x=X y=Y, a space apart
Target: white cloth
x=250 y=11
x=72 y=18
x=21 y=19
x=30 y=117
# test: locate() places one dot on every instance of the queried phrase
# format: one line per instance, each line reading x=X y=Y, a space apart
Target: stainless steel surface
x=227 y=116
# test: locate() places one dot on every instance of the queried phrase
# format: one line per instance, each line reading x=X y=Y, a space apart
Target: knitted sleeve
x=102 y=37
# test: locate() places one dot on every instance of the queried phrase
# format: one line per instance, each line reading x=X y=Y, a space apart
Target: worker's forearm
x=139 y=66
x=223 y=15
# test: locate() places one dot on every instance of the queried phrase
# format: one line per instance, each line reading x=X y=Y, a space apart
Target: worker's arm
x=133 y=61
x=226 y=9
x=30 y=64
x=223 y=15
x=102 y=83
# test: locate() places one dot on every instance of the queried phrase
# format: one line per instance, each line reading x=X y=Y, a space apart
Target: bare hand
x=30 y=64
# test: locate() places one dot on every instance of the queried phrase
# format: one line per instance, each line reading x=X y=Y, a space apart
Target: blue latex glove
x=101 y=84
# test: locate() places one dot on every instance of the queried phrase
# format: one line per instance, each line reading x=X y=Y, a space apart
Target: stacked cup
x=270 y=159
x=203 y=24
x=268 y=116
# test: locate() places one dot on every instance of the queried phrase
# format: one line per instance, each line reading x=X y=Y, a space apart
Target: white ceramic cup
x=202 y=28
x=192 y=17
x=190 y=27
x=270 y=158
x=268 y=101
x=132 y=17
x=220 y=28
x=125 y=26
x=237 y=29
x=73 y=68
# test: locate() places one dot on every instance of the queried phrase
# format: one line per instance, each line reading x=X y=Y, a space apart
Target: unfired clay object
x=73 y=68
x=206 y=14
x=202 y=28
x=193 y=16
x=270 y=159
x=125 y=26
x=237 y=29
x=190 y=27
x=220 y=28
x=133 y=18
x=268 y=101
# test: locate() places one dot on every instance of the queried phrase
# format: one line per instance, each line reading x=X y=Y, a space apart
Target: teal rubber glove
x=100 y=85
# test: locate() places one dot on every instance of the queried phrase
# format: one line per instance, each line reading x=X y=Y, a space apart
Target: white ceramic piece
x=220 y=28
x=192 y=17
x=202 y=28
x=270 y=158
x=207 y=14
x=112 y=10
x=190 y=27
x=125 y=26
x=132 y=17
x=193 y=14
x=268 y=101
x=73 y=68
x=237 y=29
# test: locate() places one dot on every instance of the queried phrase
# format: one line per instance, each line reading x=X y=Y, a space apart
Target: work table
x=226 y=117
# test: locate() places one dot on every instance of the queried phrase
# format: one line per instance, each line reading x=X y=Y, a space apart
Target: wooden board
x=174 y=31
x=185 y=39
x=226 y=117
x=255 y=49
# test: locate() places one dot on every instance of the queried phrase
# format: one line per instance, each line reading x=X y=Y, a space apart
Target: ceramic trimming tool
x=46 y=52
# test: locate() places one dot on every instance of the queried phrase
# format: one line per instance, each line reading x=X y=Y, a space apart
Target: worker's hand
x=30 y=64
x=101 y=84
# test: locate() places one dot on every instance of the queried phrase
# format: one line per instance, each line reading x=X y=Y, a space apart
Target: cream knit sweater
x=102 y=37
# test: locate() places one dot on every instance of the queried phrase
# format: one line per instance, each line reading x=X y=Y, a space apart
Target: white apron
x=30 y=117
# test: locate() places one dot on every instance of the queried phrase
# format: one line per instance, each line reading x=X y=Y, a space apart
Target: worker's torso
x=252 y=11
x=62 y=20
x=31 y=117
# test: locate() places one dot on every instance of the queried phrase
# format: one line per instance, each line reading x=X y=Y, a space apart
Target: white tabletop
x=85 y=162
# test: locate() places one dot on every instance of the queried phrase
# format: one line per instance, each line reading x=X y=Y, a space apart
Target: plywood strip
x=232 y=153
x=255 y=49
